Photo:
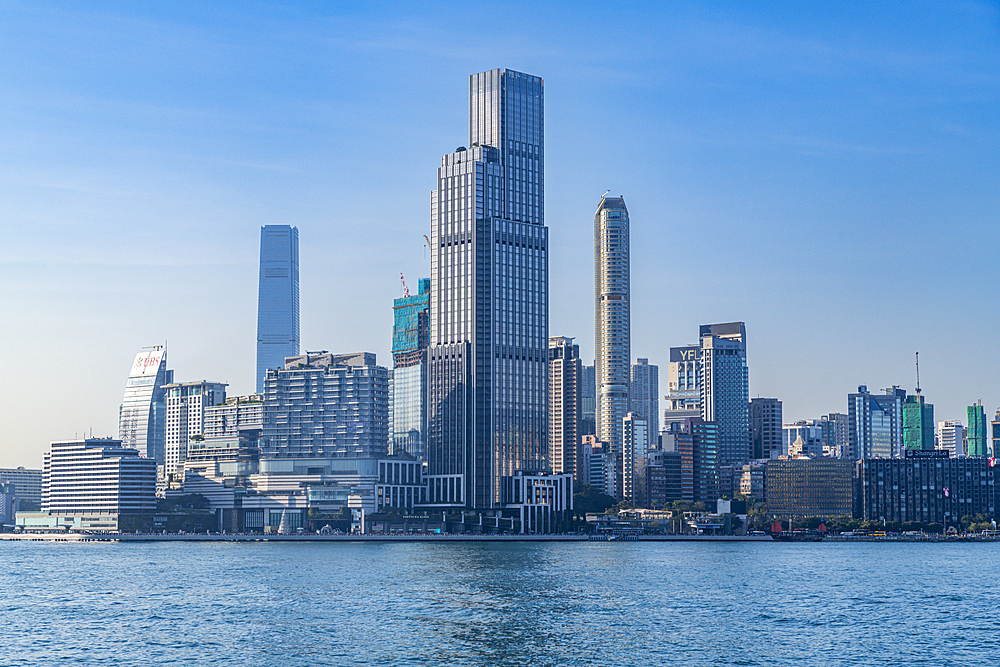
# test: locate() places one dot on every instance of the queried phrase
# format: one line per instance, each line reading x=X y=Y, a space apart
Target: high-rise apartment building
x=918 y=423
x=975 y=436
x=875 y=423
x=644 y=396
x=635 y=439
x=143 y=409
x=488 y=354
x=588 y=402
x=612 y=318
x=725 y=389
x=951 y=437
x=565 y=373
x=186 y=403
x=237 y=416
x=277 y=299
x=324 y=405
x=765 y=428
x=408 y=388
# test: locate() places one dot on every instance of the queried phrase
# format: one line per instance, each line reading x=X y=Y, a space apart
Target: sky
x=827 y=173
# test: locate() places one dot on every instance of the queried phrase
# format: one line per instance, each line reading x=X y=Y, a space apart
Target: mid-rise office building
x=644 y=396
x=408 y=387
x=976 y=435
x=603 y=466
x=565 y=373
x=804 y=487
x=875 y=423
x=26 y=482
x=94 y=484
x=142 y=415
x=918 y=423
x=277 y=299
x=698 y=442
x=328 y=406
x=926 y=486
x=588 y=401
x=951 y=437
x=186 y=403
x=683 y=385
x=766 y=438
x=612 y=318
x=753 y=483
x=663 y=478
x=488 y=354
x=725 y=390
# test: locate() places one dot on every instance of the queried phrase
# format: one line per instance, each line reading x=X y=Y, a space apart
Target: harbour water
x=589 y=603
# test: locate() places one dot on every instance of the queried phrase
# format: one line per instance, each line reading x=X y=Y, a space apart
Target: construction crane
x=406 y=290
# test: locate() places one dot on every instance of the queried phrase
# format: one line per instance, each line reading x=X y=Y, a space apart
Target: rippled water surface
x=499 y=604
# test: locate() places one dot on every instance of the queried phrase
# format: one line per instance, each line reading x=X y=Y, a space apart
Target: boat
x=798 y=534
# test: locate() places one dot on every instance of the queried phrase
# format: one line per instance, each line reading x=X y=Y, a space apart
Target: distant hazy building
x=612 y=318
x=995 y=436
x=976 y=435
x=565 y=373
x=27 y=483
x=805 y=487
x=803 y=438
x=408 y=389
x=326 y=405
x=141 y=417
x=951 y=437
x=644 y=396
x=918 y=423
x=875 y=423
x=277 y=298
x=588 y=402
x=186 y=403
x=765 y=429
x=925 y=486
x=725 y=391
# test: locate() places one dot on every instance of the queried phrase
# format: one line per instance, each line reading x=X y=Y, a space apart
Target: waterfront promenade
x=313 y=537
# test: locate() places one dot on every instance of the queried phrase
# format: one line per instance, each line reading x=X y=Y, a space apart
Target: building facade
x=27 y=483
x=926 y=486
x=588 y=401
x=725 y=389
x=326 y=406
x=565 y=387
x=951 y=437
x=612 y=318
x=765 y=429
x=644 y=396
x=976 y=435
x=918 y=423
x=234 y=417
x=875 y=423
x=277 y=299
x=635 y=439
x=488 y=353
x=683 y=385
x=142 y=415
x=97 y=476
x=839 y=440
x=804 y=487
x=408 y=399
x=803 y=438
x=186 y=403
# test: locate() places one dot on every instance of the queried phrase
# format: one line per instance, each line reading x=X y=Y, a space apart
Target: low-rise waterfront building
x=804 y=487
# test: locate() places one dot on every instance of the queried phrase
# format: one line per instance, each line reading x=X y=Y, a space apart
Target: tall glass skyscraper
x=725 y=389
x=612 y=319
x=488 y=354
x=408 y=387
x=277 y=299
x=142 y=415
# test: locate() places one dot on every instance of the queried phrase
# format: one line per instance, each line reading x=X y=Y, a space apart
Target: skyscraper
x=186 y=403
x=875 y=422
x=277 y=299
x=644 y=397
x=918 y=423
x=976 y=434
x=725 y=390
x=408 y=404
x=765 y=428
x=588 y=402
x=488 y=354
x=612 y=323
x=141 y=417
x=564 y=407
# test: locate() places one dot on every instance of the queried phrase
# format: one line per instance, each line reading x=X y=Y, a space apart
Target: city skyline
x=134 y=200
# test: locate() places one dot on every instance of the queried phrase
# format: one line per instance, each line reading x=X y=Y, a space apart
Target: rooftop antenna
x=918 y=373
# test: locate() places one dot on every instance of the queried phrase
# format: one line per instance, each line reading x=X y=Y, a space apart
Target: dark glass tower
x=488 y=354
x=277 y=299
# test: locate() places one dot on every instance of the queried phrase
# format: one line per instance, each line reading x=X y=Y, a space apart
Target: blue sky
x=826 y=173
